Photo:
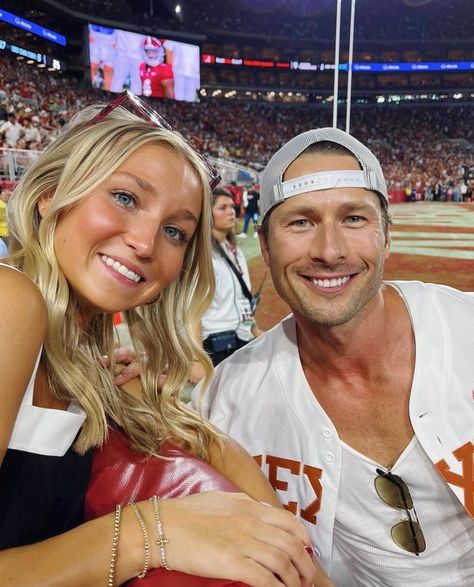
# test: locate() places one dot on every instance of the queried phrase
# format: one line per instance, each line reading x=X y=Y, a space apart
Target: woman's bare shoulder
x=21 y=299
x=18 y=289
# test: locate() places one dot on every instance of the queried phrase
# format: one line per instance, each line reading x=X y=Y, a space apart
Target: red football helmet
x=153 y=51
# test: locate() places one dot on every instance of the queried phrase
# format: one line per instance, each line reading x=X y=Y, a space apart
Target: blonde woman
x=114 y=216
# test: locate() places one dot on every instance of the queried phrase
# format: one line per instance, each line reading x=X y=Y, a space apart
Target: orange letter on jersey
x=465 y=455
x=314 y=475
x=293 y=466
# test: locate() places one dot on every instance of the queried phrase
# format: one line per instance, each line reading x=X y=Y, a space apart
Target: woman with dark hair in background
x=229 y=323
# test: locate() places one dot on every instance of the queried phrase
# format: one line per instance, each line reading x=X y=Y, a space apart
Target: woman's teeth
x=116 y=266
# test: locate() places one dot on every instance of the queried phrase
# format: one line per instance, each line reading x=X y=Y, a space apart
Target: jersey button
x=329 y=457
x=326 y=433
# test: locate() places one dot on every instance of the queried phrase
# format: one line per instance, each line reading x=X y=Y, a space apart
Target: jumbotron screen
x=145 y=64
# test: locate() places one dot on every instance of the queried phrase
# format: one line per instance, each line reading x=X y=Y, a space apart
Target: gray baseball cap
x=273 y=190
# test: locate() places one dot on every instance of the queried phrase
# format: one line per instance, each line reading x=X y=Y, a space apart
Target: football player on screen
x=157 y=76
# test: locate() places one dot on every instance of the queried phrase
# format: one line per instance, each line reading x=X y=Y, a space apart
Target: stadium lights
x=177 y=9
x=41 y=64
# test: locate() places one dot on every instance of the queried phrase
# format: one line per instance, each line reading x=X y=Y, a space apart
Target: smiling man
x=358 y=406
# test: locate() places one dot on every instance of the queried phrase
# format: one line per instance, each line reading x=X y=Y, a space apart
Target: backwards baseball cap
x=274 y=190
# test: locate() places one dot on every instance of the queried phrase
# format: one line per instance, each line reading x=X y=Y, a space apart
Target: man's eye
x=124 y=199
x=354 y=219
x=300 y=223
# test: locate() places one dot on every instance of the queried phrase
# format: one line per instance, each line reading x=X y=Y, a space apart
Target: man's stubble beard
x=328 y=312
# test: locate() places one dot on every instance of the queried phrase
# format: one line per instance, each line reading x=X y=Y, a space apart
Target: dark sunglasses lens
x=393 y=491
x=408 y=535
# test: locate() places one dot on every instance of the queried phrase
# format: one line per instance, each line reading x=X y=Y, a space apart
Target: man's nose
x=328 y=244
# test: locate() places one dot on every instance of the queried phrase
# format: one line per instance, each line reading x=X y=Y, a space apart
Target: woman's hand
x=127 y=358
x=127 y=365
x=231 y=536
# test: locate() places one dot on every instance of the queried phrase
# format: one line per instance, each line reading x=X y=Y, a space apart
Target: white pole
x=336 y=63
x=349 y=75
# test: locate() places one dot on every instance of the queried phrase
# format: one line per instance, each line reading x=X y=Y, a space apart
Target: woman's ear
x=43 y=204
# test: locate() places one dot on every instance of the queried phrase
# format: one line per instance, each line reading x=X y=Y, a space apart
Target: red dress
x=120 y=475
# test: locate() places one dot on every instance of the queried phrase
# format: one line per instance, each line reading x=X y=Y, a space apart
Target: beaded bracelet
x=146 y=539
x=115 y=543
x=162 y=540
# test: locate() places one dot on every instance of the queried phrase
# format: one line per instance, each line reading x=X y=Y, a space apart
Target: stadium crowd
x=400 y=19
x=422 y=148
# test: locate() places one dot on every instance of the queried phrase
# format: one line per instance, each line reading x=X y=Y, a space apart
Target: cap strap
x=323 y=181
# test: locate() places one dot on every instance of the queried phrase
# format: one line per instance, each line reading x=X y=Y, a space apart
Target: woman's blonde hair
x=70 y=168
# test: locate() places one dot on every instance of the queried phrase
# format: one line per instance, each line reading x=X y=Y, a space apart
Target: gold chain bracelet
x=115 y=543
x=146 y=539
x=162 y=540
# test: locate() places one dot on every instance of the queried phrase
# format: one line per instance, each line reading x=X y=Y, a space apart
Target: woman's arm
x=239 y=467
x=214 y=534
x=23 y=328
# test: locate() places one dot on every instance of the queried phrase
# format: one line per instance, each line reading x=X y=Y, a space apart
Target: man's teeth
x=331 y=282
x=121 y=269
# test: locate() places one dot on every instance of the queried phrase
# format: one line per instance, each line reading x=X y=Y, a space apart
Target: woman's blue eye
x=175 y=233
x=124 y=199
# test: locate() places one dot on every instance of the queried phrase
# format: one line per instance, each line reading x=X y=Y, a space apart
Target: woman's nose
x=142 y=237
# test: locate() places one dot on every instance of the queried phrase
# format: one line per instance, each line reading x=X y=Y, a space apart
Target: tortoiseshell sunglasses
x=146 y=112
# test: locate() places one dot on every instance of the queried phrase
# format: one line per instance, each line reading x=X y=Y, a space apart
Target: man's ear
x=44 y=204
x=388 y=243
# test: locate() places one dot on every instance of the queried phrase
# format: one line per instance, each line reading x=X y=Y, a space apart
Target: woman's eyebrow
x=142 y=183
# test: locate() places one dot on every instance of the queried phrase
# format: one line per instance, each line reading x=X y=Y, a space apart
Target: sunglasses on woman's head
x=146 y=112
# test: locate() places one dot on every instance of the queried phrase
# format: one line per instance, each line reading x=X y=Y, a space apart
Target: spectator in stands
x=421 y=143
x=111 y=218
x=31 y=133
x=11 y=130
